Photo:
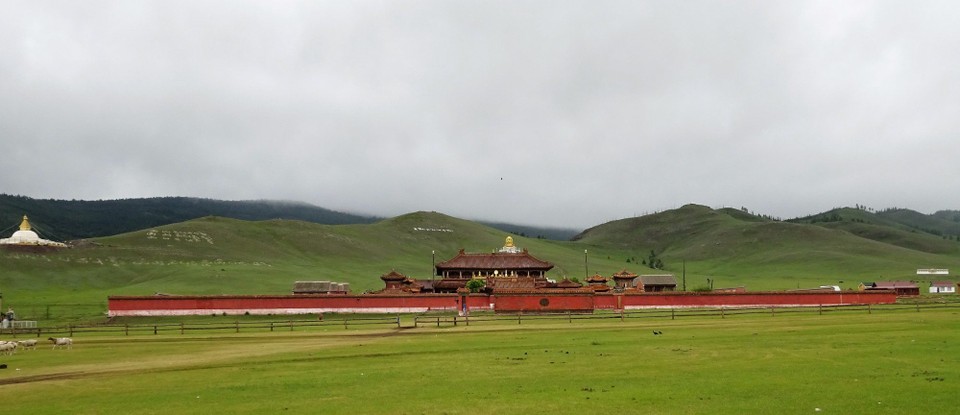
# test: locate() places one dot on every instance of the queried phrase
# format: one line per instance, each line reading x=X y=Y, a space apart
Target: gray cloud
x=549 y=113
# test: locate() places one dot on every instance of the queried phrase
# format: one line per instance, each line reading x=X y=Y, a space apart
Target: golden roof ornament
x=509 y=247
x=25 y=225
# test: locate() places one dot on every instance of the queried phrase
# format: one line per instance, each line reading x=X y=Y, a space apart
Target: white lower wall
x=273 y=311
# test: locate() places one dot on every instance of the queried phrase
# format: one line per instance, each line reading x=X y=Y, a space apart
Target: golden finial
x=509 y=242
x=25 y=225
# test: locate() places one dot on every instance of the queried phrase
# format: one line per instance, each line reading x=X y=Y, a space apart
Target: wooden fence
x=184 y=328
x=670 y=313
x=447 y=320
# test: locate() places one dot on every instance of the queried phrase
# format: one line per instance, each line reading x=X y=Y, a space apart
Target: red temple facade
x=509 y=268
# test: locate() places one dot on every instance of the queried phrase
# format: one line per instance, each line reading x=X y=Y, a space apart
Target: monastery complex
x=512 y=270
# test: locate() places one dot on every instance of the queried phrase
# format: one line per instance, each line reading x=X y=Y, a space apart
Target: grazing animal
x=27 y=344
x=8 y=348
x=62 y=342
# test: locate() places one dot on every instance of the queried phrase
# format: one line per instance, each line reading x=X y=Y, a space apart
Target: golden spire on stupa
x=25 y=225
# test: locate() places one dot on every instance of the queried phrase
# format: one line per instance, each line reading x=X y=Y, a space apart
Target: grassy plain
x=895 y=362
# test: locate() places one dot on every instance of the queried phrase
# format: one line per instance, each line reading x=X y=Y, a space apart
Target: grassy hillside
x=735 y=248
x=73 y=219
x=900 y=227
x=216 y=255
x=941 y=223
x=64 y=220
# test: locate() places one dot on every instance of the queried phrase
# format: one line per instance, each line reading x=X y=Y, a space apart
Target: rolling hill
x=75 y=219
x=64 y=220
x=937 y=233
x=748 y=250
x=216 y=255
x=702 y=246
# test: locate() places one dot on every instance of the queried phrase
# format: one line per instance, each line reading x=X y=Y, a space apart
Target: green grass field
x=896 y=362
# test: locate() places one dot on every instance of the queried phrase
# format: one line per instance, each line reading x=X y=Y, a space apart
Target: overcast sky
x=560 y=113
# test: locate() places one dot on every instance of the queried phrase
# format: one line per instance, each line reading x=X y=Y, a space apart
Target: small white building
x=943 y=287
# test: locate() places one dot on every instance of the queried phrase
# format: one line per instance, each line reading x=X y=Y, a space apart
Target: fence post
x=438 y=321
x=918 y=307
x=344 y=323
x=820 y=307
x=673 y=315
x=467 y=319
x=271 y=326
x=154 y=329
x=569 y=317
x=70 y=326
x=721 y=312
x=454 y=321
x=398 y=321
x=868 y=309
x=518 y=317
x=181 y=328
x=126 y=329
x=773 y=312
x=290 y=323
x=621 y=315
x=237 y=325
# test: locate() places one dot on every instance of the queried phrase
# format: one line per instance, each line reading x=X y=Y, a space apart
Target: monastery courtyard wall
x=505 y=303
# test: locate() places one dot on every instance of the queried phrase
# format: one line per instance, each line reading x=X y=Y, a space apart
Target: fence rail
x=447 y=320
x=671 y=313
x=183 y=328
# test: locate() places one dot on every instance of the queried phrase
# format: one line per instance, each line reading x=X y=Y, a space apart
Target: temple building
x=656 y=283
x=623 y=280
x=397 y=283
x=508 y=268
x=508 y=261
x=598 y=283
x=26 y=237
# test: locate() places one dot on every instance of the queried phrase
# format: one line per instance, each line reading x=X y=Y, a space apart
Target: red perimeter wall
x=547 y=303
x=288 y=304
x=415 y=303
x=783 y=299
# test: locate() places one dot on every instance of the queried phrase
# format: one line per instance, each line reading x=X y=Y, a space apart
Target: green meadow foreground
x=884 y=362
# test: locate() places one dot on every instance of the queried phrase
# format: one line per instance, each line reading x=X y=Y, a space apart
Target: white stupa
x=26 y=237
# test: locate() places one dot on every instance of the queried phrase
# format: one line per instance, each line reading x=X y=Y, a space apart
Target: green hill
x=74 y=219
x=741 y=249
x=943 y=223
x=217 y=255
x=900 y=227
x=64 y=220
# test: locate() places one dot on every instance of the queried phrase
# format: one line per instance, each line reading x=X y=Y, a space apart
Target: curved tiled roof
x=624 y=275
x=566 y=283
x=597 y=278
x=495 y=261
x=393 y=276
